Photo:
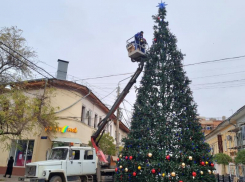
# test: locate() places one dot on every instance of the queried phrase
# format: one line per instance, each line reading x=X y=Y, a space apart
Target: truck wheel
x=55 y=179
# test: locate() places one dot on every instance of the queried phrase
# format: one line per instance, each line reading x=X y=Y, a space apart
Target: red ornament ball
x=126 y=157
x=153 y=171
x=194 y=174
x=212 y=164
x=155 y=39
x=118 y=159
x=202 y=163
x=134 y=173
x=116 y=169
x=131 y=157
x=180 y=181
x=158 y=18
x=168 y=157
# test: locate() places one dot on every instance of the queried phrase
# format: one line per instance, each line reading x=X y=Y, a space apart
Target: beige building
x=227 y=138
x=209 y=124
x=79 y=114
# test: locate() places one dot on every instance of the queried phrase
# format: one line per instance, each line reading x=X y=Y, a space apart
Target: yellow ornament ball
x=213 y=172
x=209 y=172
x=163 y=174
x=126 y=169
x=139 y=167
x=120 y=155
x=173 y=174
x=201 y=172
x=183 y=165
x=120 y=167
x=190 y=158
x=206 y=162
x=149 y=154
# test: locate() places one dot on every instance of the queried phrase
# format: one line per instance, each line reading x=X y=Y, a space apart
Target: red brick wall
x=17 y=171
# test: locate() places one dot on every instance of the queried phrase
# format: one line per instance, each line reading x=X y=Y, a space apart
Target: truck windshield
x=58 y=154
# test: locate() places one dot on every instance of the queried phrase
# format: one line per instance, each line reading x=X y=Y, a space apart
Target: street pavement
x=12 y=179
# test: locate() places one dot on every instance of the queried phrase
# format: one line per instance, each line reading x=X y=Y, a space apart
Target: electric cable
x=125 y=111
x=22 y=61
x=1 y=43
x=108 y=94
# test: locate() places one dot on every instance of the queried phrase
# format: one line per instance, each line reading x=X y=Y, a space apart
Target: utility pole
x=117 y=128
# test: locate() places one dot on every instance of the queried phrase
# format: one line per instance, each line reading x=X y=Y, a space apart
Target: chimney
x=223 y=118
x=62 y=69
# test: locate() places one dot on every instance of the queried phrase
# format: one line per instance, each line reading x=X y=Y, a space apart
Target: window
x=208 y=127
x=58 y=154
x=21 y=151
x=75 y=154
x=95 y=121
x=225 y=145
x=107 y=128
x=89 y=117
x=88 y=155
x=119 y=138
x=110 y=130
x=83 y=114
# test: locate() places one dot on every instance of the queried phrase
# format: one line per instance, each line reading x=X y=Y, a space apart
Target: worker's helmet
x=141 y=32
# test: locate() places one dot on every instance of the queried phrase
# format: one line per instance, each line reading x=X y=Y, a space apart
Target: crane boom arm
x=119 y=100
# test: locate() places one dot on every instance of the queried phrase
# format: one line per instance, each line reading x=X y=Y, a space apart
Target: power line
x=22 y=61
x=217 y=60
x=218 y=75
x=220 y=82
x=192 y=64
x=220 y=87
x=1 y=43
x=103 y=76
x=108 y=94
x=125 y=109
x=128 y=102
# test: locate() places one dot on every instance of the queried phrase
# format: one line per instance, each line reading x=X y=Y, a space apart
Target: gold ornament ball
x=209 y=172
x=173 y=174
x=213 y=172
x=149 y=154
x=190 y=158
x=120 y=155
x=163 y=174
x=206 y=163
x=201 y=172
x=183 y=164
x=139 y=167
x=126 y=169
x=120 y=167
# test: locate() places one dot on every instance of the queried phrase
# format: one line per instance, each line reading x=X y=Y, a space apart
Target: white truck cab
x=63 y=164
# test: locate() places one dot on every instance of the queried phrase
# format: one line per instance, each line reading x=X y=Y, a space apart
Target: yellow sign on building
x=62 y=129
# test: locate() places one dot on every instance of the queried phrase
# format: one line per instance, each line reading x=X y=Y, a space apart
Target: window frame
x=75 y=155
x=26 y=151
x=85 y=153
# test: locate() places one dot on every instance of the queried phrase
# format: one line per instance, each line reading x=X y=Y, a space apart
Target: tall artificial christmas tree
x=165 y=142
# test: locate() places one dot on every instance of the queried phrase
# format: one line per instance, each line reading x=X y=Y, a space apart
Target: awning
x=66 y=140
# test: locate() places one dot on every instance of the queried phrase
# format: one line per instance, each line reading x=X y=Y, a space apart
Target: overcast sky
x=92 y=36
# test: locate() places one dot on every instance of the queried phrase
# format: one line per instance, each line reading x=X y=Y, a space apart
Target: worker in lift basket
x=140 y=41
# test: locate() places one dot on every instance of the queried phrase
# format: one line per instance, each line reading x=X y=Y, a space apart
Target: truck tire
x=55 y=179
